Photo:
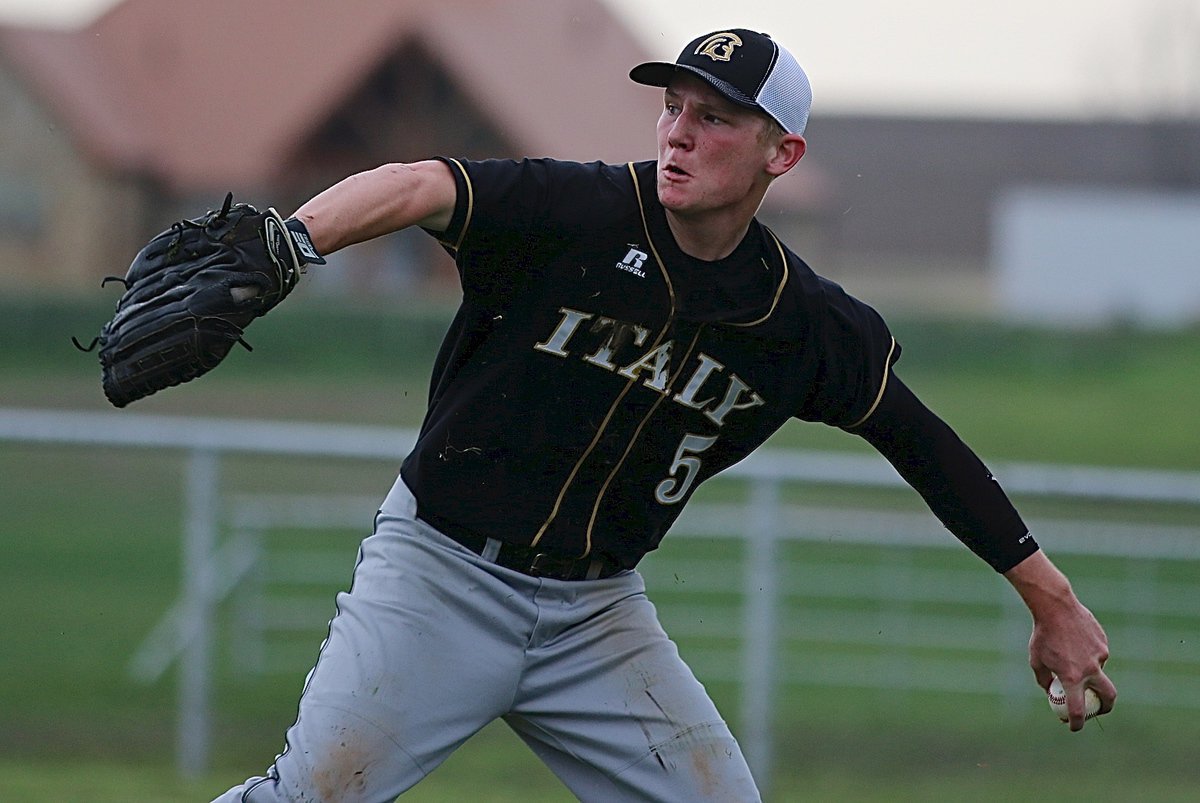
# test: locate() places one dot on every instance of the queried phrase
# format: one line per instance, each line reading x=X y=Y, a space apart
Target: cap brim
x=653 y=73
x=660 y=73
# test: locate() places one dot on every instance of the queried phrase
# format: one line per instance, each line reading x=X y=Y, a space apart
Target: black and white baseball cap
x=748 y=68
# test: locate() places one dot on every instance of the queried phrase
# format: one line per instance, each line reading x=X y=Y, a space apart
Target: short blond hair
x=771 y=130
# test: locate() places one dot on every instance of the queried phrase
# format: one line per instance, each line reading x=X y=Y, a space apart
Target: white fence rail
x=910 y=615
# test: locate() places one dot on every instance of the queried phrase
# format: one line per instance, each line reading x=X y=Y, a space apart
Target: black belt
x=529 y=560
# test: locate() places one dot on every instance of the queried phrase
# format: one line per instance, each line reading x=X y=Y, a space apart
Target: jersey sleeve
x=852 y=351
x=953 y=481
x=512 y=216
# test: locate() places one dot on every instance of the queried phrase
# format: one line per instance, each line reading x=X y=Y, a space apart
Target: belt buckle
x=537 y=566
x=545 y=564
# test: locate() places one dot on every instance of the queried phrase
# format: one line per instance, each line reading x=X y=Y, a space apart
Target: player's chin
x=674 y=198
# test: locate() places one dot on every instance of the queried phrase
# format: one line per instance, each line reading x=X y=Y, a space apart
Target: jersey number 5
x=675 y=488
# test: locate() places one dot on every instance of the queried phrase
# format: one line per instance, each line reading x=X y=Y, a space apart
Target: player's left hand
x=1067 y=640
x=191 y=292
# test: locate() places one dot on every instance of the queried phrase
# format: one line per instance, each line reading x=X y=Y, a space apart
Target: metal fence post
x=202 y=478
x=248 y=621
x=761 y=629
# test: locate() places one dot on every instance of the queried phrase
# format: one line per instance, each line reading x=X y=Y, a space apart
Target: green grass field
x=89 y=559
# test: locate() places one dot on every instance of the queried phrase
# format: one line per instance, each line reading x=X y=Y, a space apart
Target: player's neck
x=705 y=238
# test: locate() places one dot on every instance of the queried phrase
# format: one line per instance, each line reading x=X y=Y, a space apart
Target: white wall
x=1087 y=257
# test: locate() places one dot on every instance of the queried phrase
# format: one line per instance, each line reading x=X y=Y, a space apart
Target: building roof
x=200 y=94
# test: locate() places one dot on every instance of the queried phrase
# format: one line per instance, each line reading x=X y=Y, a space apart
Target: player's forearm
x=380 y=201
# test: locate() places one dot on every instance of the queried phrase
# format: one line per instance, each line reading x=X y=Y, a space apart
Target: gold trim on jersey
x=637 y=432
x=462 y=232
x=620 y=396
x=887 y=370
x=662 y=266
x=578 y=465
x=779 y=290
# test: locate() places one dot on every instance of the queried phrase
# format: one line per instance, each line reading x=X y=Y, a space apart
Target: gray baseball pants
x=432 y=643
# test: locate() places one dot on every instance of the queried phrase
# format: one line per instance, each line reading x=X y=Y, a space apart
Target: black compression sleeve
x=951 y=479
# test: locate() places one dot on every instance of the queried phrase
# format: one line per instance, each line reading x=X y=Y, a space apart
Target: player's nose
x=680 y=133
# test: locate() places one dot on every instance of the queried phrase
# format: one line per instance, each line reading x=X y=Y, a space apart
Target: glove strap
x=304 y=245
x=289 y=246
x=281 y=250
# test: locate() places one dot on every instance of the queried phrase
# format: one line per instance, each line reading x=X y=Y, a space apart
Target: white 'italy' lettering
x=687 y=397
x=616 y=338
x=556 y=343
x=653 y=368
x=657 y=361
x=736 y=388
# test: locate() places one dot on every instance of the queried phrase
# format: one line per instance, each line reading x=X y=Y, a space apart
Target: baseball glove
x=191 y=292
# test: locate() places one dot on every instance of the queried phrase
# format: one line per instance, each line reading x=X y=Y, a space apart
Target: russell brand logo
x=633 y=262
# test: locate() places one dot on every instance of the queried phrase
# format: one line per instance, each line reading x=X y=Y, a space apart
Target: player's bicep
x=881 y=375
x=378 y=202
x=438 y=195
x=852 y=352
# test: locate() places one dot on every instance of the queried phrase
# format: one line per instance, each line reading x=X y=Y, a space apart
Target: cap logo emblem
x=719 y=46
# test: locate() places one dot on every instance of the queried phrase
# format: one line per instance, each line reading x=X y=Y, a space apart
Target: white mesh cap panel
x=786 y=95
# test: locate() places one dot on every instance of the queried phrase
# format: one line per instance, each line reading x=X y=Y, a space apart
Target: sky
x=1025 y=58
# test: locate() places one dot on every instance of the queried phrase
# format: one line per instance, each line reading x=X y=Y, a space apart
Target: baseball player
x=625 y=333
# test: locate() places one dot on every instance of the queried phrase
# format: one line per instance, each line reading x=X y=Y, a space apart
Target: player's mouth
x=674 y=171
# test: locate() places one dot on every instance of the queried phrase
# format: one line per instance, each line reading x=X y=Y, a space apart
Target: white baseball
x=1058 y=701
x=243 y=293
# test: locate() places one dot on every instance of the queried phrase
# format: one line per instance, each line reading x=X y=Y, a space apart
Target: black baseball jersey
x=595 y=375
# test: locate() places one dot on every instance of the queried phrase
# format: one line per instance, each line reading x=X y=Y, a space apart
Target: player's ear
x=786 y=152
